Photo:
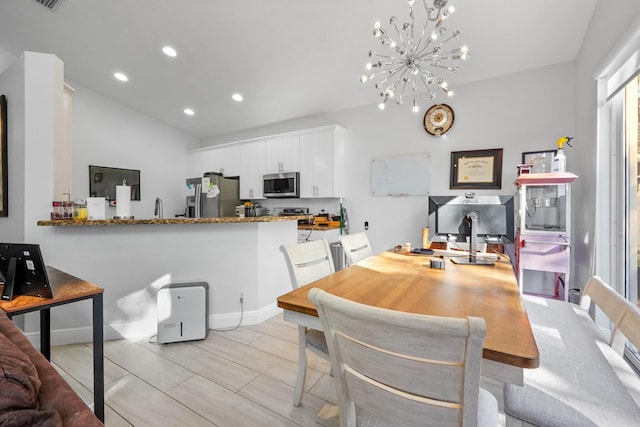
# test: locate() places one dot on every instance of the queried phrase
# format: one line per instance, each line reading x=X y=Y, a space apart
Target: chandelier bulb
x=369 y=66
x=450 y=94
x=364 y=79
x=451 y=9
x=381 y=106
x=415 y=109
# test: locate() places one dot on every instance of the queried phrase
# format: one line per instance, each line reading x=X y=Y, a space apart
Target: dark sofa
x=32 y=393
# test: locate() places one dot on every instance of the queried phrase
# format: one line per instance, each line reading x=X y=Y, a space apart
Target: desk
x=405 y=283
x=67 y=289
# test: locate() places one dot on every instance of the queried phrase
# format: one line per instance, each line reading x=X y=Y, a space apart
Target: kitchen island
x=134 y=258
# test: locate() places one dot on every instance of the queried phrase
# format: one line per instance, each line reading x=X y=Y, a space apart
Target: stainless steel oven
x=282 y=184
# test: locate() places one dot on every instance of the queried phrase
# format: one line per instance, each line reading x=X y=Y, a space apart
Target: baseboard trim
x=145 y=330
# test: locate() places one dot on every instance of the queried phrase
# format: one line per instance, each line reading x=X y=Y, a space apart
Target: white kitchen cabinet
x=322 y=163
x=251 y=169
x=282 y=154
x=224 y=160
x=331 y=236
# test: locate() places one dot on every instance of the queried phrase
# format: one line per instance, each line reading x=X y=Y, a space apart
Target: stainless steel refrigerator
x=219 y=199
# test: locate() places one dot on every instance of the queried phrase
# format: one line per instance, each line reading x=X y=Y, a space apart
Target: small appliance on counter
x=212 y=196
x=293 y=212
x=249 y=209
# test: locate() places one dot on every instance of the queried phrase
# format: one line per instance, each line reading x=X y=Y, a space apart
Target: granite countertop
x=223 y=220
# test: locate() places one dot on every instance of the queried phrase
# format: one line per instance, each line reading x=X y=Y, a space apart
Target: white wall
x=106 y=133
x=527 y=111
x=12 y=85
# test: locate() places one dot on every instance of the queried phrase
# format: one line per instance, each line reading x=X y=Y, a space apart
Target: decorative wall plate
x=438 y=119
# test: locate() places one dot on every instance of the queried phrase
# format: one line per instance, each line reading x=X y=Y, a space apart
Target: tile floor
x=236 y=378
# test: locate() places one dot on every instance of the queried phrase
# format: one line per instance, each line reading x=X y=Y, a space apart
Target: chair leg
x=302 y=366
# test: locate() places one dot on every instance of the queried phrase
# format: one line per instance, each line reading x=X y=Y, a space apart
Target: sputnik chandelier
x=413 y=61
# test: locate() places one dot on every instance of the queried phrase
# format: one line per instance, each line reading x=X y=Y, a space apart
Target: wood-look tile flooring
x=236 y=378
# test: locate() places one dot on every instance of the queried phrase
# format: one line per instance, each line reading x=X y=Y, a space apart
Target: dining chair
x=402 y=369
x=308 y=262
x=356 y=247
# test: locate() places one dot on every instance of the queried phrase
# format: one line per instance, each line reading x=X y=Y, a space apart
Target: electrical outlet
x=366 y=225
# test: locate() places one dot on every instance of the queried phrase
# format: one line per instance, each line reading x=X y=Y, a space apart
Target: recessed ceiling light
x=121 y=76
x=237 y=97
x=189 y=112
x=169 y=51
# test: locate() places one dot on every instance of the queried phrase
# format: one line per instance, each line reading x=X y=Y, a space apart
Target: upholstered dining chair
x=402 y=369
x=308 y=262
x=356 y=247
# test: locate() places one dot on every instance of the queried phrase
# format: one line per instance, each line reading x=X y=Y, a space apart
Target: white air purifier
x=183 y=310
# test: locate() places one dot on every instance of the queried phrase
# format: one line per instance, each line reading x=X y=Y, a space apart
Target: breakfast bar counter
x=223 y=220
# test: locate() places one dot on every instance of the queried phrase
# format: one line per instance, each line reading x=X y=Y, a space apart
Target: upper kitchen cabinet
x=322 y=163
x=282 y=154
x=224 y=160
x=252 y=169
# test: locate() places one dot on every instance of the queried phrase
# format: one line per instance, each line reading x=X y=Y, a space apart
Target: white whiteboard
x=407 y=175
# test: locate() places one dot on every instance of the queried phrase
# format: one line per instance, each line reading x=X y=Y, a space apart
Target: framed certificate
x=476 y=169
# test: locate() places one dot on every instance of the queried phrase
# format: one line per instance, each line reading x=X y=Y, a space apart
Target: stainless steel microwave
x=285 y=184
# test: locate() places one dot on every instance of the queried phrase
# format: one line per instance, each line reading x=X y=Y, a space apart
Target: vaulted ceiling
x=288 y=58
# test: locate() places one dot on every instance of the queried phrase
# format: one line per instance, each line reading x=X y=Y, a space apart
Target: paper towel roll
x=123 y=201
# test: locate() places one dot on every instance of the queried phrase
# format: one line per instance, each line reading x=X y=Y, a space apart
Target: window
x=632 y=199
x=618 y=198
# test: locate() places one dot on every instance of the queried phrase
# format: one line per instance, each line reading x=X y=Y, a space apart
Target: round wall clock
x=438 y=119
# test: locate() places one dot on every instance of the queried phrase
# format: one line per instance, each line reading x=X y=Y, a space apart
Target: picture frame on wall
x=476 y=169
x=4 y=183
x=540 y=161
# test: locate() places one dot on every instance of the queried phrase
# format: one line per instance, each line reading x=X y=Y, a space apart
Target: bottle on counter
x=80 y=211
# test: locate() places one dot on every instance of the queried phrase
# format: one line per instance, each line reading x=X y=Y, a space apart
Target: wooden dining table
x=406 y=282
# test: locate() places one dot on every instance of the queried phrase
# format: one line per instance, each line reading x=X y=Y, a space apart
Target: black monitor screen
x=495 y=216
x=22 y=271
x=103 y=181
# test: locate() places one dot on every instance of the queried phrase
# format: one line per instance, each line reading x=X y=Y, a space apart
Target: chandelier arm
x=422 y=76
x=411 y=38
x=404 y=86
x=396 y=71
x=395 y=25
x=391 y=74
x=424 y=31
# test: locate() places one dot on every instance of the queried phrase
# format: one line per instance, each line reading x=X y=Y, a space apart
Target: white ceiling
x=289 y=58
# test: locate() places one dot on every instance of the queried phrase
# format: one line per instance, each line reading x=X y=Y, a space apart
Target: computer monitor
x=494 y=214
x=23 y=271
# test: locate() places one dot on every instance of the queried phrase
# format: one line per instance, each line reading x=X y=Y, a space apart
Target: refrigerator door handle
x=198 y=200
